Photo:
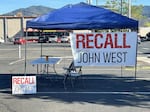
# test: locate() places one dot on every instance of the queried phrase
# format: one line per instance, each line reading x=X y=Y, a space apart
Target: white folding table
x=43 y=61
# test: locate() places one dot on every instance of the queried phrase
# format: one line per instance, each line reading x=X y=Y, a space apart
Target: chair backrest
x=72 y=67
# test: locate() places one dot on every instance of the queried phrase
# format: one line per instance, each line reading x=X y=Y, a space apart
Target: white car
x=139 y=40
x=64 y=39
x=1 y=40
x=52 y=38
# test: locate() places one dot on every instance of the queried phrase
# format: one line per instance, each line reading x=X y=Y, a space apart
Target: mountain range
x=40 y=10
x=30 y=11
x=35 y=11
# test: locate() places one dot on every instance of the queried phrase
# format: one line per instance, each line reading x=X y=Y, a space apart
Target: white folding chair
x=72 y=73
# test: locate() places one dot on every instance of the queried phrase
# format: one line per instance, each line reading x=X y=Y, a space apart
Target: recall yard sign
x=104 y=49
x=23 y=84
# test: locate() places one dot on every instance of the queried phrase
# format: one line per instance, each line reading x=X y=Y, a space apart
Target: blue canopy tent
x=82 y=16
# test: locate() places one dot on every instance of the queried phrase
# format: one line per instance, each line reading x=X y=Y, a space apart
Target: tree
x=119 y=6
x=147 y=24
x=122 y=7
x=136 y=12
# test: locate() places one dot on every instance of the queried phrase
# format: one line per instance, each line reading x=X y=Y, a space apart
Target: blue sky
x=10 y=5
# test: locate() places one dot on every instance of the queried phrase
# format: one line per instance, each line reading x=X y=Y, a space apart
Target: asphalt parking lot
x=99 y=89
x=97 y=94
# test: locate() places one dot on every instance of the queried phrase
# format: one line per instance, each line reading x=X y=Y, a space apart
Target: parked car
x=43 y=39
x=139 y=40
x=64 y=39
x=19 y=40
x=1 y=40
x=53 y=38
x=148 y=36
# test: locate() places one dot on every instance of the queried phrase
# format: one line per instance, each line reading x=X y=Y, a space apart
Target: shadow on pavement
x=89 y=88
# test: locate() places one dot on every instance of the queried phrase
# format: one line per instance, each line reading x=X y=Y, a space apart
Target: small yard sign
x=24 y=84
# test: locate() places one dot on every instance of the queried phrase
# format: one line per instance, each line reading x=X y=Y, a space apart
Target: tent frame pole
x=25 y=59
x=41 y=45
x=135 y=72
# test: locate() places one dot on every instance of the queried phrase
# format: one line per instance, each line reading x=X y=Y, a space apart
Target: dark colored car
x=43 y=39
x=148 y=36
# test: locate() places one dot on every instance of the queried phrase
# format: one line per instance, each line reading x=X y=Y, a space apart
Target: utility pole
x=129 y=8
x=96 y=2
x=121 y=7
x=5 y=26
x=89 y=1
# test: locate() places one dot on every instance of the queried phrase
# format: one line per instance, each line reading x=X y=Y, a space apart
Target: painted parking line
x=138 y=68
x=145 y=48
x=144 y=59
x=16 y=61
x=68 y=57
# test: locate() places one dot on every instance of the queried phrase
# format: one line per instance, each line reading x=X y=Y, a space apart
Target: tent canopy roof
x=82 y=16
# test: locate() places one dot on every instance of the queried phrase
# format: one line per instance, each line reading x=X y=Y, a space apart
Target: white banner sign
x=24 y=85
x=106 y=49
